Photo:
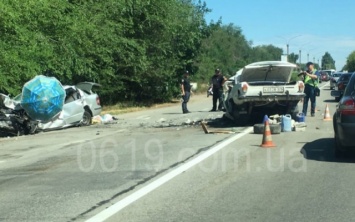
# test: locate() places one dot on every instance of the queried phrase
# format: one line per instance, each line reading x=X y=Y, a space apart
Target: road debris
x=204 y=127
x=105 y=119
x=300 y=127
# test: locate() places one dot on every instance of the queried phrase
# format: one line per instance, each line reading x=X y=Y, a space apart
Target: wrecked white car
x=80 y=105
x=263 y=88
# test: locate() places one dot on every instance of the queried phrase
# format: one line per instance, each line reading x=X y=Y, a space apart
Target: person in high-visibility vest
x=311 y=83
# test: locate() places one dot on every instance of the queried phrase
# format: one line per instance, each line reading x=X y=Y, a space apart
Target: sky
x=312 y=26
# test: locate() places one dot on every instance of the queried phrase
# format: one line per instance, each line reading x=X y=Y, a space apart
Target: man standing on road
x=217 y=82
x=185 y=92
x=311 y=83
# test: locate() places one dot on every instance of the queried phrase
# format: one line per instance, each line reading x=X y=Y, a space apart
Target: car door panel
x=73 y=111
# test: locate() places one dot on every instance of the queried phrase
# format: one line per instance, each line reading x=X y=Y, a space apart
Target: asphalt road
x=158 y=165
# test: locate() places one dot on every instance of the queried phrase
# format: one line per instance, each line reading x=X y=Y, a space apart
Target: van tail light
x=341 y=86
x=245 y=87
x=347 y=107
x=300 y=86
x=98 y=100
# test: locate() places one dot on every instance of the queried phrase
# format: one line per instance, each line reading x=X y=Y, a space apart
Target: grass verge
x=128 y=107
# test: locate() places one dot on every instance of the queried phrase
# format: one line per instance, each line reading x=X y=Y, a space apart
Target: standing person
x=311 y=83
x=217 y=82
x=185 y=92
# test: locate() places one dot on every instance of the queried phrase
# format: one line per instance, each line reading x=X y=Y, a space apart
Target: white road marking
x=108 y=212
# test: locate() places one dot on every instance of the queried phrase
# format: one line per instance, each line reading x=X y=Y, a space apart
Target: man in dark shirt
x=185 y=92
x=217 y=82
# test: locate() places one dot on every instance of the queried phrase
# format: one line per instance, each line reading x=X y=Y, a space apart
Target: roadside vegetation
x=350 y=62
x=136 y=49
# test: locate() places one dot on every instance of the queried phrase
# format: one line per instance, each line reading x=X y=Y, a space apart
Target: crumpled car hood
x=269 y=71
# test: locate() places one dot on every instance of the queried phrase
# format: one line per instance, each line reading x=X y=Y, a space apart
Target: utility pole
x=287 y=49
x=288 y=43
x=308 y=51
x=300 y=55
x=300 y=52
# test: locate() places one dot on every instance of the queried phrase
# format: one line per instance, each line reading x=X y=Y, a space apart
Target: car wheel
x=87 y=118
x=31 y=127
x=337 y=99
x=239 y=119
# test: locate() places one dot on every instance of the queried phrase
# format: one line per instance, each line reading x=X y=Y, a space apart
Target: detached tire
x=87 y=119
x=274 y=128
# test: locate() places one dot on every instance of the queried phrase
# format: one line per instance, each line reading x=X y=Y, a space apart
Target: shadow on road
x=225 y=122
x=7 y=133
x=222 y=122
x=323 y=150
x=330 y=101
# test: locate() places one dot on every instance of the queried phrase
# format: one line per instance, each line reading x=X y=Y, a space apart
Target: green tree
x=345 y=67
x=293 y=57
x=135 y=48
x=327 y=61
x=225 y=48
x=350 y=62
x=266 y=53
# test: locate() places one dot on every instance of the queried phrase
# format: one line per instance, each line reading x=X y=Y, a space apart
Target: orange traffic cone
x=267 y=140
x=327 y=116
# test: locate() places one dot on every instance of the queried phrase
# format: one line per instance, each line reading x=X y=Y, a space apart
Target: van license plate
x=273 y=89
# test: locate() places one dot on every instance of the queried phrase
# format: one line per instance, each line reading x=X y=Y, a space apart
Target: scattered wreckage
x=13 y=118
x=264 y=88
x=45 y=105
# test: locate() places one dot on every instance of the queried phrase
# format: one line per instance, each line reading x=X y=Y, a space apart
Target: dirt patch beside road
x=129 y=107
